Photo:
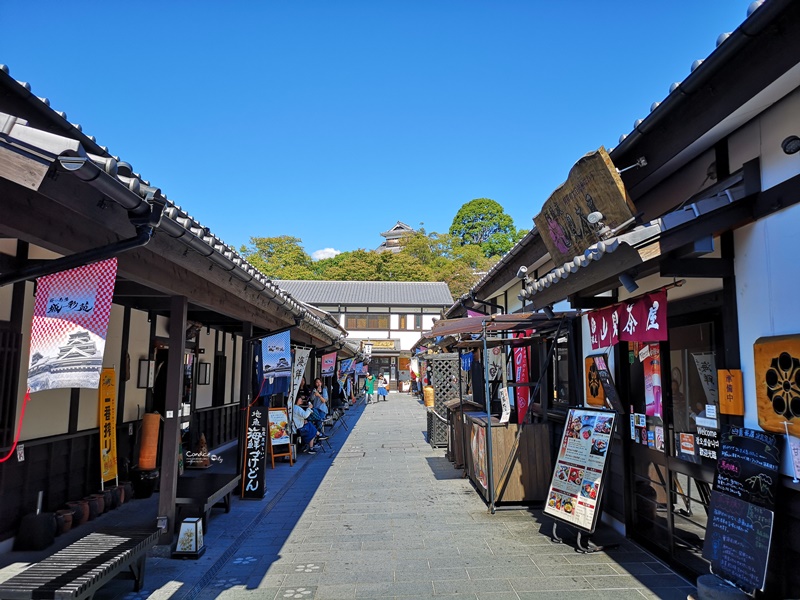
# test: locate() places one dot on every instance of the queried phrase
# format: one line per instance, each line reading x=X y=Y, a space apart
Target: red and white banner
x=70 y=321
x=521 y=362
x=641 y=320
x=328 y=364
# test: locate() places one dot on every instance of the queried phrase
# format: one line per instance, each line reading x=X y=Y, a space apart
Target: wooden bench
x=203 y=492
x=83 y=567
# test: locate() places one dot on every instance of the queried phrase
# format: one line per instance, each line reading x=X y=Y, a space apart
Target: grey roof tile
x=395 y=293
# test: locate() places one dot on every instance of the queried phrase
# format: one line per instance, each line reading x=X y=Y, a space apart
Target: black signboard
x=738 y=541
x=255 y=454
x=741 y=511
x=748 y=466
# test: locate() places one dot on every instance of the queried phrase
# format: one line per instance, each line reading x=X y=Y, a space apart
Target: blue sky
x=331 y=120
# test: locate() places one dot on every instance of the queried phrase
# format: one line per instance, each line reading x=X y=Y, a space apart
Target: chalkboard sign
x=255 y=454
x=738 y=540
x=741 y=515
x=577 y=484
x=748 y=466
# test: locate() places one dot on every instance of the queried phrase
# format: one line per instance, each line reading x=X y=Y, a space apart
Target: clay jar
x=108 y=499
x=63 y=520
x=80 y=512
x=128 y=487
x=117 y=496
x=95 y=507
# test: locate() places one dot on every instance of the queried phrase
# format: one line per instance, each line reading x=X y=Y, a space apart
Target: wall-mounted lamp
x=204 y=373
x=629 y=283
x=522 y=272
x=147 y=373
x=791 y=145
x=548 y=312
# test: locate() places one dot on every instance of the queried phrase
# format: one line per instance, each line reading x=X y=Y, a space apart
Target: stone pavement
x=384 y=515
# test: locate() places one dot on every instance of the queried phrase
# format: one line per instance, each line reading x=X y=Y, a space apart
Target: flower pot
x=80 y=512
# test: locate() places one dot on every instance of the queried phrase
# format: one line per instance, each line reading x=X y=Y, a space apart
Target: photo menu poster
x=575 y=490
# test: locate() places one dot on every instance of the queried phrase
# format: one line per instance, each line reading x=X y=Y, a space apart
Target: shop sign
x=707 y=443
x=381 y=344
x=107 y=409
x=577 y=484
x=777 y=367
x=593 y=185
x=643 y=319
x=522 y=393
x=731 y=392
x=253 y=485
x=328 y=364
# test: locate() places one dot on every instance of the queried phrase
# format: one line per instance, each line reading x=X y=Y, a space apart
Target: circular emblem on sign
x=783 y=385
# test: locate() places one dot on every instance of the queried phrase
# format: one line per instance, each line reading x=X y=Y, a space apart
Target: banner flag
x=70 y=321
x=328 y=364
x=298 y=370
x=521 y=376
x=107 y=417
x=276 y=355
x=641 y=320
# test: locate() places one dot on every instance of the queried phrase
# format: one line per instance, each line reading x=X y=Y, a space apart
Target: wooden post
x=170 y=445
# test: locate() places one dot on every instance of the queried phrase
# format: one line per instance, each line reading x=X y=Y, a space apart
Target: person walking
x=369 y=387
x=383 y=388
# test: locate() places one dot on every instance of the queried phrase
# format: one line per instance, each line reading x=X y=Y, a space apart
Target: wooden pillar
x=245 y=387
x=170 y=445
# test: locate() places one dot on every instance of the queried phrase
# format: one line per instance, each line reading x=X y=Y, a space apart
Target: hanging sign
x=298 y=369
x=643 y=319
x=328 y=364
x=523 y=393
x=276 y=355
x=107 y=417
x=506 y=404
x=577 y=483
x=593 y=185
x=731 y=392
x=70 y=321
x=255 y=455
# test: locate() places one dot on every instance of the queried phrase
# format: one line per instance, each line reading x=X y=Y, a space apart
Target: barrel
x=428 y=395
x=151 y=423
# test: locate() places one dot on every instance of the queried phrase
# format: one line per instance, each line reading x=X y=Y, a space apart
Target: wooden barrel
x=151 y=423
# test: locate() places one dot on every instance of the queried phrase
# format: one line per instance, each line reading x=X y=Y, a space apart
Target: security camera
x=522 y=272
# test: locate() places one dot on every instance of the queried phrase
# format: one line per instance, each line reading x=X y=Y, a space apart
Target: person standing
x=369 y=387
x=383 y=389
x=319 y=401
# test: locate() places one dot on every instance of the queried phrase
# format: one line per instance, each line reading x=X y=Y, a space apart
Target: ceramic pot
x=117 y=496
x=128 y=486
x=80 y=512
x=94 y=507
x=108 y=499
x=63 y=520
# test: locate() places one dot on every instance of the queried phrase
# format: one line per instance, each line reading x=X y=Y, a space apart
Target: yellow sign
x=593 y=186
x=731 y=392
x=382 y=344
x=107 y=413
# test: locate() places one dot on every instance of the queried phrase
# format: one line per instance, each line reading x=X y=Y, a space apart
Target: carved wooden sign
x=777 y=371
x=593 y=185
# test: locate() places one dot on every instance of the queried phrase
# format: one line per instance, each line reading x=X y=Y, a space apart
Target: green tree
x=483 y=222
x=279 y=257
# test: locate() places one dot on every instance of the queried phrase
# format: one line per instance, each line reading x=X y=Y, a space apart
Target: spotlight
x=522 y=272
x=629 y=283
x=791 y=145
x=548 y=312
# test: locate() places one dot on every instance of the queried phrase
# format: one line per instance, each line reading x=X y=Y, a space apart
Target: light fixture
x=548 y=312
x=522 y=272
x=204 y=373
x=147 y=371
x=190 y=539
x=791 y=145
x=629 y=283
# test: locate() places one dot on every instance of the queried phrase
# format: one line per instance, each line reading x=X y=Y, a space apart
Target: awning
x=495 y=323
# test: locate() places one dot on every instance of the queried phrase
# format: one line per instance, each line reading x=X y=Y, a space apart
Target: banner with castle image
x=70 y=321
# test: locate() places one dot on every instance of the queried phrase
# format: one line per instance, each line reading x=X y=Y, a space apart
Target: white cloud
x=325 y=253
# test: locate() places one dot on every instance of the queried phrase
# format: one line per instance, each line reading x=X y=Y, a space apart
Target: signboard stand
x=253 y=483
x=279 y=435
x=576 y=488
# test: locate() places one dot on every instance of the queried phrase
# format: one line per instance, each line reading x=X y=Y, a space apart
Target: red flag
x=654 y=309
x=522 y=394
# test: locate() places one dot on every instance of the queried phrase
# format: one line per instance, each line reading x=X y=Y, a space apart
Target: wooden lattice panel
x=445 y=381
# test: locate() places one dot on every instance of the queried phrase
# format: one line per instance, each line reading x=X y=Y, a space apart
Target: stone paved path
x=384 y=515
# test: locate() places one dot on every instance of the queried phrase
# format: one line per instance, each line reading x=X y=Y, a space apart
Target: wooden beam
x=696 y=267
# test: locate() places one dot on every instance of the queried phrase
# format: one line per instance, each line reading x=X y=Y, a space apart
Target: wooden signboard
x=777 y=362
x=741 y=514
x=593 y=185
x=255 y=454
x=280 y=440
x=577 y=484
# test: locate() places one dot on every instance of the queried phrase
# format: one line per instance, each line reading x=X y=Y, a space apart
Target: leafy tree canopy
x=279 y=257
x=483 y=222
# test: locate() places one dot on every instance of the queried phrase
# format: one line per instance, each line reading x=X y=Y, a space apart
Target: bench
x=83 y=567
x=203 y=492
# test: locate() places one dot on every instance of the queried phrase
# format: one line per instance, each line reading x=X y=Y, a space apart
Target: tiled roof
x=386 y=293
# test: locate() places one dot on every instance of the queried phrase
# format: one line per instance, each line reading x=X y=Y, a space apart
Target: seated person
x=306 y=430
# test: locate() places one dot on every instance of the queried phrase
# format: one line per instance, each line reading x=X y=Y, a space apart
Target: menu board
x=577 y=484
x=741 y=511
x=278 y=426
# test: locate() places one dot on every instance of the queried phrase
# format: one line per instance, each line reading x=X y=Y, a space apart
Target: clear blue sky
x=331 y=120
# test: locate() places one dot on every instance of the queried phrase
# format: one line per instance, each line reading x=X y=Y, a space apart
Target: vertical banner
x=70 y=321
x=253 y=487
x=276 y=355
x=707 y=370
x=298 y=370
x=328 y=364
x=523 y=393
x=107 y=417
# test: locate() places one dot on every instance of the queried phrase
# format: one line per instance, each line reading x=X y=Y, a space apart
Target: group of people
x=369 y=388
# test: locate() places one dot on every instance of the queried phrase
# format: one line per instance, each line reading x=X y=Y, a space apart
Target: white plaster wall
x=206 y=341
x=138 y=348
x=767 y=288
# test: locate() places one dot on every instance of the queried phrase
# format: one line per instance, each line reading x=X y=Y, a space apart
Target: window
x=418 y=322
x=402 y=322
x=367 y=322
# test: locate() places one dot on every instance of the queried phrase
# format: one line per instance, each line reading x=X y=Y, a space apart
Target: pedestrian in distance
x=383 y=388
x=369 y=387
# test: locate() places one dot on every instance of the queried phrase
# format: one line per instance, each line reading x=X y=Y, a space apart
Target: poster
x=652 y=381
x=576 y=486
x=107 y=418
x=495 y=363
x=278 y=426
x=276 y=355
x=506 y=404
x=70 y=321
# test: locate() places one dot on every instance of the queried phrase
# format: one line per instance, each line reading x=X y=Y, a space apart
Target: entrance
x=675 y=435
